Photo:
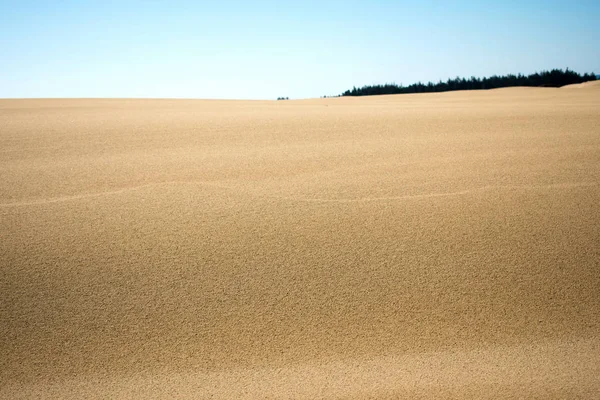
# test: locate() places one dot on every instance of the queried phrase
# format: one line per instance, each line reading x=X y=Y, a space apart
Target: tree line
x=553 y=78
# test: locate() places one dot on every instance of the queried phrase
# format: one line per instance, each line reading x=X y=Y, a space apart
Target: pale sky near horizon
x=265 y=49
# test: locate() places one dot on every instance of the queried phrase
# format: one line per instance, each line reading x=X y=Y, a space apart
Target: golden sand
x=417 y=245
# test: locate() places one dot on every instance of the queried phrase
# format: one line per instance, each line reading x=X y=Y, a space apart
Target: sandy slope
x=414 y=245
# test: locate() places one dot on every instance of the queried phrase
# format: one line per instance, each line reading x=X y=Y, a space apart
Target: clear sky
x=265 y=49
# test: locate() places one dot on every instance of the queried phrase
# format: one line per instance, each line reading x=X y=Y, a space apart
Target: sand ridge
x=416 y=245
x=300 y=199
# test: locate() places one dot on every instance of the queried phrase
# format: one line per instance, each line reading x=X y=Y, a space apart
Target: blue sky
x=267 y=49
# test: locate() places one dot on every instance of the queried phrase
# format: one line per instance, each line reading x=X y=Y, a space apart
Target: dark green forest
x=554 y=78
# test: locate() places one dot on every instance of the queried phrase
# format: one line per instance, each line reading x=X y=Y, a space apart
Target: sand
x=434 y=245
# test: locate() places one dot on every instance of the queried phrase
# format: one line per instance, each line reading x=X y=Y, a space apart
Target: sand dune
x=438 y=245
x=584 y=85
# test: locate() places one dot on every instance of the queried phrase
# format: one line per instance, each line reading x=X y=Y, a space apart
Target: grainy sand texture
x=413 y=246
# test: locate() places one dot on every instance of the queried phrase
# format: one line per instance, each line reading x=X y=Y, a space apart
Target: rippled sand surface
x=436 y=245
